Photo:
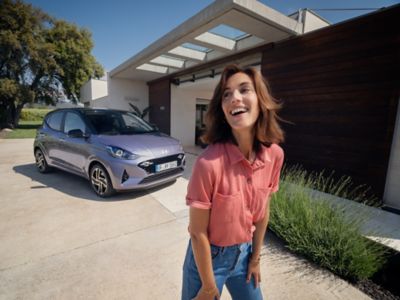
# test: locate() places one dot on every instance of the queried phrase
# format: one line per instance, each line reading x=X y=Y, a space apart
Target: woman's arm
x=258 y=238
x=198 y=226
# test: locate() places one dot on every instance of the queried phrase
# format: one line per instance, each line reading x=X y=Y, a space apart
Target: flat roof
x=221 y=29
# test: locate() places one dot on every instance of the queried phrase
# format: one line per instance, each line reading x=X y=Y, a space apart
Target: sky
x=122 y=28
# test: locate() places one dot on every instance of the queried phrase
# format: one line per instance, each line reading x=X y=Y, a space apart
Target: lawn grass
x=24 y=130
x=319 y=231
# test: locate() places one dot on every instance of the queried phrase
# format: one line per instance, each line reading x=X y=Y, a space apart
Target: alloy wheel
x=41 y=163
x=100 y=181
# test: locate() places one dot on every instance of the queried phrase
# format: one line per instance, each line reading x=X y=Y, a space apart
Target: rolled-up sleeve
x=277 y=169
x=201 y=184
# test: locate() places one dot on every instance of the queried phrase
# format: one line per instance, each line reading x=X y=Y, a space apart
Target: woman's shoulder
x=212 y=154
x=274 y=151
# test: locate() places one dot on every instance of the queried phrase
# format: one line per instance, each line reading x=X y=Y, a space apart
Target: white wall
x=392 y=188
x=99 y=88
x=86 y=92
x=93 y=89
x=312 y=22
x=121 y=92
x=183 y=112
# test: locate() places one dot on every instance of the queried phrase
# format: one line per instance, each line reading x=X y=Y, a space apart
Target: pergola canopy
x=221 y=29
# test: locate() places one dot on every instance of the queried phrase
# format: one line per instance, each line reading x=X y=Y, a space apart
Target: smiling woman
x=230 y=189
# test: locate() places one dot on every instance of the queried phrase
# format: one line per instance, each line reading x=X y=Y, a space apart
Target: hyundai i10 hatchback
x=115 y=150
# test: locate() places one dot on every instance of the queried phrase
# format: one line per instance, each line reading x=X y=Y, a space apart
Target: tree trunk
x=17 y=114
x=10 y=109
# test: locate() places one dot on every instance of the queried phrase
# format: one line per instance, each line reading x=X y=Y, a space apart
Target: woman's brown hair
x=267 y=129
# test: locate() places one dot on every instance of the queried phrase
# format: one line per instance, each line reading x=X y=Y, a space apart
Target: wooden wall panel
x=160 y=105
x=340 y=88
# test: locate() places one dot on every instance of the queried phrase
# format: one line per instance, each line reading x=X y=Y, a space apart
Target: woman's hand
x=253 y=269
x=207 y=294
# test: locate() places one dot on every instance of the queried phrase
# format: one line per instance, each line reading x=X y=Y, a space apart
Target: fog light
x=125 y=177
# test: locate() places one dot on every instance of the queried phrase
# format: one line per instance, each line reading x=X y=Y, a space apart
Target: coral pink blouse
x=235 y=190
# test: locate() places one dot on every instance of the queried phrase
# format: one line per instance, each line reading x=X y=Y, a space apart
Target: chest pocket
x=226 y=208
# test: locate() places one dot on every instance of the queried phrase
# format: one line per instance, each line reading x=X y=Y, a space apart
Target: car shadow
x=74 y=185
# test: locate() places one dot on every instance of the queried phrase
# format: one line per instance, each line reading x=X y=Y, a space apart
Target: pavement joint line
x=168 y=210
x=86 y=246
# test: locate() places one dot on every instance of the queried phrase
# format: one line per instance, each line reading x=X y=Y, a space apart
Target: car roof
x=87 y=109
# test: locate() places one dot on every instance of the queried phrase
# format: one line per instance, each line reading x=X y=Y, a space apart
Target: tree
x=39 y=57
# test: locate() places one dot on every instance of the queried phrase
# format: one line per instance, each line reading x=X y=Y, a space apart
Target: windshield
x=117 y=122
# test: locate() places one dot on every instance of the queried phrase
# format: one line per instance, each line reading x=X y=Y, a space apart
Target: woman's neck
x=245 y=142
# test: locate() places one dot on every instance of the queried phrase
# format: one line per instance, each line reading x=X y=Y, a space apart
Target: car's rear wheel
x=41 y=163
x=100 y=180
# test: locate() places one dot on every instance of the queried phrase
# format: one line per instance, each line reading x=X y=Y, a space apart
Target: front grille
x=150 y=165
x=161 y=175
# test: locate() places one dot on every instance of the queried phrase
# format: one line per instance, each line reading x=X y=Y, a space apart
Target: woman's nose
x=236 y=96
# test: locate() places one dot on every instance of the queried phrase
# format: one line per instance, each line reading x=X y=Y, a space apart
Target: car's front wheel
x=41 y=163
x=100 y=180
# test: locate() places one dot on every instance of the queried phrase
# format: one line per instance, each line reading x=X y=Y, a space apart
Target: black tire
x=100 y=181
x=41 y=163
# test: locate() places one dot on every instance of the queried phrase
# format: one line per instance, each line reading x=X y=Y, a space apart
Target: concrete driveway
x=58 y=240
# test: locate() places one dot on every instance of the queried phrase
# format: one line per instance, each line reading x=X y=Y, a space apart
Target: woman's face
x=240 y=103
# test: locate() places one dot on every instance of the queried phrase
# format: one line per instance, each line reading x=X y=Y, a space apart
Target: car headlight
x=120 y=153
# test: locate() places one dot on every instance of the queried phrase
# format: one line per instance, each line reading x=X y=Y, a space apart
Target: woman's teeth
x=237 y=111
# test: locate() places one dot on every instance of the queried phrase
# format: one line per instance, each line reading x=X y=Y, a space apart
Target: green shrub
x=321 y=232
x=33 y=114
x=342 y=187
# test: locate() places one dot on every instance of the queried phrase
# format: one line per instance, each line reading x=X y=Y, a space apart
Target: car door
x=75 y=151
x=52 y=137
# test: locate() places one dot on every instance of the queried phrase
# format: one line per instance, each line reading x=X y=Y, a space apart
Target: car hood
x=149 y=144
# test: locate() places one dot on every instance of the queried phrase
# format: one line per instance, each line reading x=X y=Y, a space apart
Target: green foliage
x=320 y=232
x=33 y=114
x=25 y=130
x=40 y=58
x=342 y=187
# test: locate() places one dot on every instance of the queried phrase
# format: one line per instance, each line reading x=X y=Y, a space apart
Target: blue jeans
x=230 y=268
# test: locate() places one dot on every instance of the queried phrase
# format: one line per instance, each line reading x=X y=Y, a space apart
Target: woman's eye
x=226 y=95
x=245 y=90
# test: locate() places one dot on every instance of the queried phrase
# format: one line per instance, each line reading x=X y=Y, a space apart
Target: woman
x=230 y=189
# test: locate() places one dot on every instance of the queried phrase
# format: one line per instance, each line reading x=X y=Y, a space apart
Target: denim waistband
x=241 y=247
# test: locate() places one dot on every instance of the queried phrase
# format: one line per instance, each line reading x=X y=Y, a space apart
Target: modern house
x=340 y=84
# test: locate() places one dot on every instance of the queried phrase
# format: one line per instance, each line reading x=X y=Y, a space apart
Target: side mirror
x=76 y=133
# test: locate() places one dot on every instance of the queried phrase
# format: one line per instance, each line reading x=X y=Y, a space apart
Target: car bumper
x=127 y=175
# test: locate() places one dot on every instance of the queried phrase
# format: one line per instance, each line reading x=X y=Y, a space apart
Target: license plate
x=166 y=166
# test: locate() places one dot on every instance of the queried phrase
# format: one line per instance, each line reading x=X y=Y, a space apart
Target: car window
x=54 y=120
x=73 y=121
x=116 y=122
x=133 y=122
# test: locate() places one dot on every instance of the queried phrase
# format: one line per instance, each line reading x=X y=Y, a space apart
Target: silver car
x=115 y=150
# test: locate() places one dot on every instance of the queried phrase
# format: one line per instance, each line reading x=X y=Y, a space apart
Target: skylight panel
x=196 y=47
x=216 y=40
x=229 y=32
x=188 y=53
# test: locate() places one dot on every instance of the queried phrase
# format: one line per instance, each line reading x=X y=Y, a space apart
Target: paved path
x=59 y=241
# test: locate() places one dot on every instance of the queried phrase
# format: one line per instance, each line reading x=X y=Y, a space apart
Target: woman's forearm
x=259 y=233
x=202 y=256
